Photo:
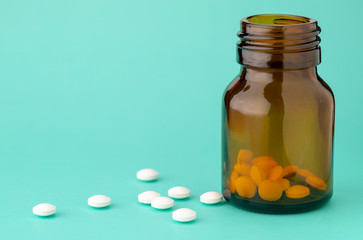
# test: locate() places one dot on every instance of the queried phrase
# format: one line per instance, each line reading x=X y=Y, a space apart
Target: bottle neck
x=297 y=60
x=279 y=42
x=269 y=75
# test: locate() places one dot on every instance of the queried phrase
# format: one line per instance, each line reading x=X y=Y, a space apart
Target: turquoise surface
x=92 y=91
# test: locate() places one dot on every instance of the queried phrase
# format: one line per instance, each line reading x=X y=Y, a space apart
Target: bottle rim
x=278 y=20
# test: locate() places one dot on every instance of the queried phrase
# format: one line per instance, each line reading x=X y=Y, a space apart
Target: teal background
x=92 y=91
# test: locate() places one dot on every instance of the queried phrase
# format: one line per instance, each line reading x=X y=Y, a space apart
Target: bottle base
x=276 y=208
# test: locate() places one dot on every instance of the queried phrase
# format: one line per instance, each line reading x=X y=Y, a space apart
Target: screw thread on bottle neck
x=279 y=41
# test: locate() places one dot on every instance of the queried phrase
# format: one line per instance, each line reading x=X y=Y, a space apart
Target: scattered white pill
x=99 y=201
x=147 y=174
x=148 y=196
x=162 y=203
x=179 y=192
x=184 y=215
x=44 y=209
x=211 y=197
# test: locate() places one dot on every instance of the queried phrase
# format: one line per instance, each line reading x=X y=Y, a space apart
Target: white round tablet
x=99 y=201
x=179 y=192
x=147 y=174
x=211 y=197
x=44 y=209
x=184 y=215
x=148 y=196
x=162 y=203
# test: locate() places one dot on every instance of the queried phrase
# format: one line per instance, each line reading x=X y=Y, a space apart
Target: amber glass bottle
x=278 y=119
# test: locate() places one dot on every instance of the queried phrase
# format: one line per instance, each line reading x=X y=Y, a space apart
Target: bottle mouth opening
x=278 y=20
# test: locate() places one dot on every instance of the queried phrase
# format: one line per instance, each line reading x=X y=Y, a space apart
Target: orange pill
x=232 y=181
x=289 y=171
x=303 y=173
x=244 y=156
x=275 y=173
x=257 y=174
x=316 y=182
x=246 y=187
x=270 y=190
x=265 y=170
x=297 y=191
x=263 y=159
x=285 y=184
x=266 y=164
x=243 y=169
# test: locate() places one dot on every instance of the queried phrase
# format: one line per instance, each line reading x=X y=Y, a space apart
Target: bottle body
x=285 y=115
x=277 y=139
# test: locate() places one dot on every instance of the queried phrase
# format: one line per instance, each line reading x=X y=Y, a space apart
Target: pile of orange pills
x=265 y=177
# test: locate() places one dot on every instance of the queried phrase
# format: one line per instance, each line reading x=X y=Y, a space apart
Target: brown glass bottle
x=278 y=119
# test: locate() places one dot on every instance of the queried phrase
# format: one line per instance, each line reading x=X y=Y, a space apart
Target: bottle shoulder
x=326 y=87
x=256 y=93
